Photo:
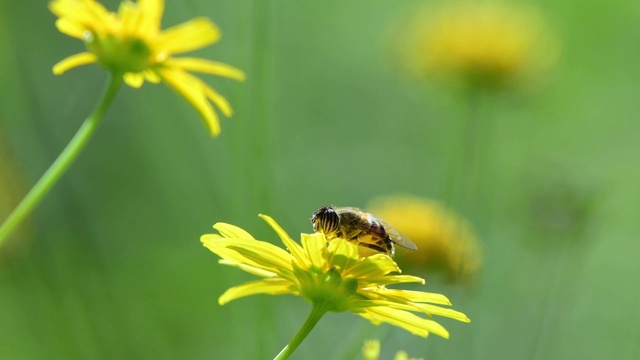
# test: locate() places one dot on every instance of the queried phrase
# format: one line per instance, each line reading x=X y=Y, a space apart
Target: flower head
x=371 y=351
x=445 y=241
x=333 y=276
x=480 y=44
x=131 y=44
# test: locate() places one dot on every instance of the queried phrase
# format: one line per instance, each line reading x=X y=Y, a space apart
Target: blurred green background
x=110 y=265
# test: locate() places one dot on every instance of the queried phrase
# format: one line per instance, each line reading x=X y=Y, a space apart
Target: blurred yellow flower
x=483 y=44
x=371 y=351
x=445 y=241
x=332 y=278
x=131 y=44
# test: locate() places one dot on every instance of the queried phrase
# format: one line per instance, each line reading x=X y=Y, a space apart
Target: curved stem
x=62 y=163
x=317 y=312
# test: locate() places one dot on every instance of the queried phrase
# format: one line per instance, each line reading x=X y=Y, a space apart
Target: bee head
x=325 y=220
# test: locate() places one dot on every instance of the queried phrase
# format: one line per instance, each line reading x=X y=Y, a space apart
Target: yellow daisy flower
x=485 y=44
x=332 y=278
x=131 y=44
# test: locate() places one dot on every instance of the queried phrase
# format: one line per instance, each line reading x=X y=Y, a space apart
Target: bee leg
x=373 y=247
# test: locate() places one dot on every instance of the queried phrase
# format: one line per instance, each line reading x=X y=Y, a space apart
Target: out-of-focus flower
x=485 y=44
x=445 y=241
x=332 y=278
x=561 y=210
x=131 y=44
x=371 y=351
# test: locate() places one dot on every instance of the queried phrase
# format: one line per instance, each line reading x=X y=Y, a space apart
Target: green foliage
x=114 y=268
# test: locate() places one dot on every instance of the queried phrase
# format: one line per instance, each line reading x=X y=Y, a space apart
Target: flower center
x=119 y=54
x=328 y=287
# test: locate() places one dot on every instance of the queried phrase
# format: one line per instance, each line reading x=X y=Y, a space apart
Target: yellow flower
x=371 y=351
x=482 y=44
x=445 y=241
x=131 y=44
x=331 y=277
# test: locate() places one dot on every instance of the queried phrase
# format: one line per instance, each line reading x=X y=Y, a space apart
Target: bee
x=360 y=228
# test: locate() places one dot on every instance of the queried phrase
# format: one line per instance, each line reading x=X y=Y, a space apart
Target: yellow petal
x=100 y=19
x=248 y=268
x=268 y=286
x=264 y=254
x=404 y=319
x=208 y=67
x=342 y=254
x=210 y=241
x=73 y=10
x=296 y=250
x=130 y=18
x=71 y=28
x=88 y=14
x=135 y=80
x=440 y=311
x=72 y=61
x=218 y=100
x=390 y=279
x=232 y=231
x=152 y=11
x=152 y=76
x=403 y=304
x=316 y=247
x=419 y=296
x=188 y=36
x=190 y=88
x=57 y=7
x=373 y=267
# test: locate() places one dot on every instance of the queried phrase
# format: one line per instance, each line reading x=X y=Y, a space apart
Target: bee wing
x=352 y=216
x=397 y=237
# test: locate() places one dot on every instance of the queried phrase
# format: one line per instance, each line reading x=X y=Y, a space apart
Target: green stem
x=62 y=163
x=317 y=313
x=470 y=153
x=463 y=153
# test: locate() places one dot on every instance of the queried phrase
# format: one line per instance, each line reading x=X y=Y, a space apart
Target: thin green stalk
x=463 y=154
x=62 y=163
x=471 y=157
x=317 y=312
